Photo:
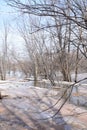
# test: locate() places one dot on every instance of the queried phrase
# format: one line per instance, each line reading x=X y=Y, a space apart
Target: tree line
x=54 y=34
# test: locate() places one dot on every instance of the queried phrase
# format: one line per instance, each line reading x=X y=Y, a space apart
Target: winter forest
x=43 y=65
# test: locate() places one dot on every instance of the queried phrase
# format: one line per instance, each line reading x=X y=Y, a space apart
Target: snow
x=25 y=100
x=80 y=76
x=28 y=103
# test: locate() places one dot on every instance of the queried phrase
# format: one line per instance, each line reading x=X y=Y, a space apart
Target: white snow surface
x=33 y=102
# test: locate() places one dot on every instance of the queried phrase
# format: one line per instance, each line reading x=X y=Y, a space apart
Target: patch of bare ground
x=77 y=117
x=79 y=94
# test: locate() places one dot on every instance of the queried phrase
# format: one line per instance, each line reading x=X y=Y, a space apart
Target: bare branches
x=77 y=8
x=57 y=43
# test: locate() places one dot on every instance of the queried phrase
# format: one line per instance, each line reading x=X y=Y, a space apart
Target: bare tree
x=4 y=57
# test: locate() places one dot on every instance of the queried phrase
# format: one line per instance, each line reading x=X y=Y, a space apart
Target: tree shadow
x=34 y=111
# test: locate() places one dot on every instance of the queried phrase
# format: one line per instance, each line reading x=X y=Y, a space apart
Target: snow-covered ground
x=27 y=103
x=26 y=107
x=80 y=77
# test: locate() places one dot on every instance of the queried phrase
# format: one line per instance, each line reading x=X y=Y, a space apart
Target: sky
x=6 y=12
x=10 y=17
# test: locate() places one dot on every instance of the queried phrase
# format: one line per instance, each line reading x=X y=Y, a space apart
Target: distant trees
x=65 y=24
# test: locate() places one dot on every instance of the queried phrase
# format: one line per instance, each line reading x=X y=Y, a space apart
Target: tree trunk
x=35 y=73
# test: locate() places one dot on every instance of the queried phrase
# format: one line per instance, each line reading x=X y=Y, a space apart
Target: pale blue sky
x=9 y=16
x=5 y=12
